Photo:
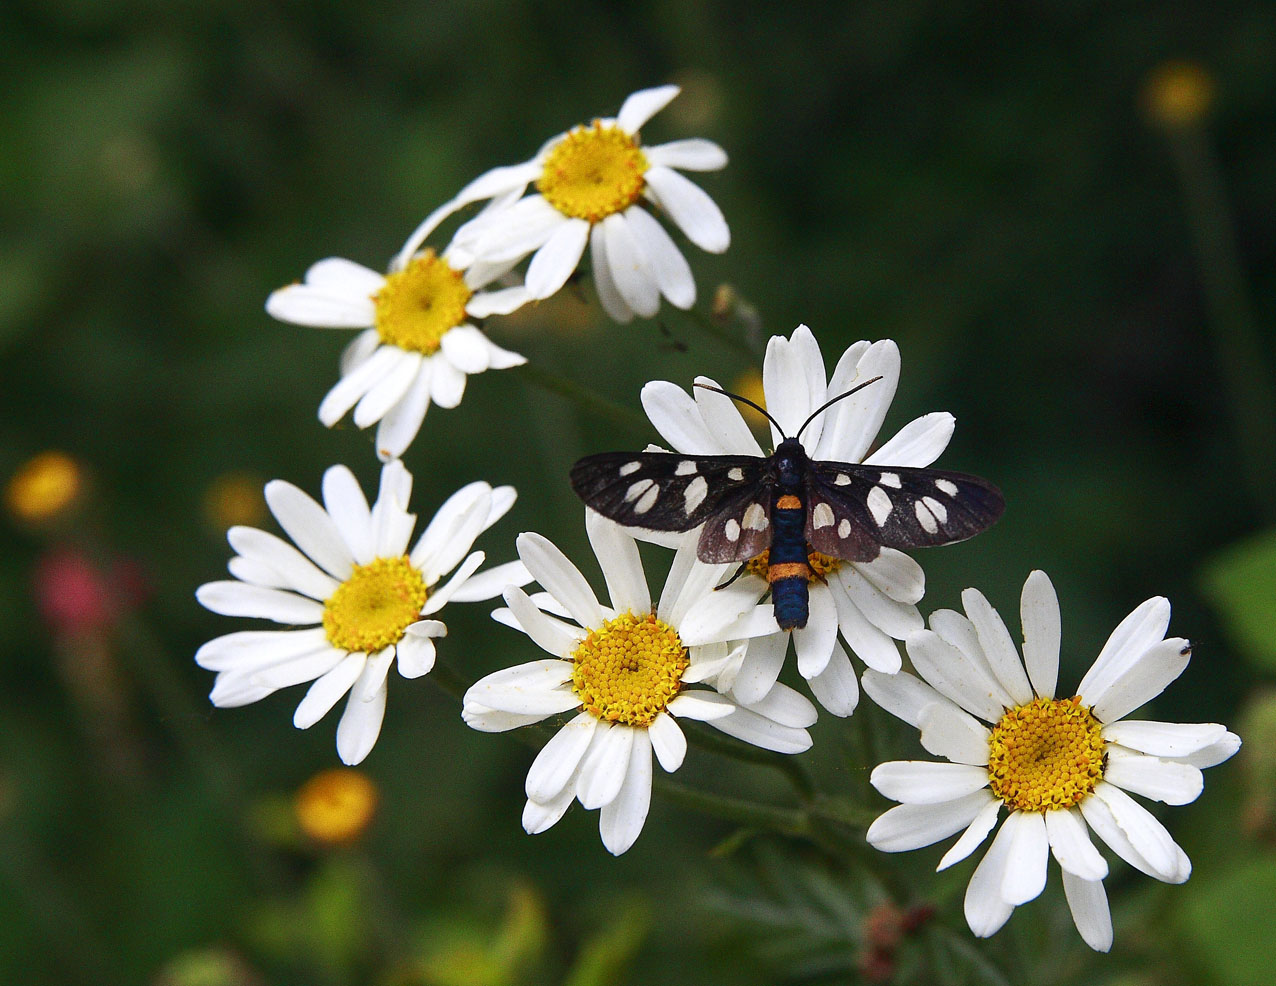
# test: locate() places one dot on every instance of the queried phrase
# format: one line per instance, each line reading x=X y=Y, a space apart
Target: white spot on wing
x=946 y=486
x=842 y=480
x=891 y=479
x=732 y=530
x=736 y=474
x=630 y=467
x=879 y=505
x=844 y=528
x=925 y=517
x=695 y=493
x=937 y=508
x=822 y=516
x=637 y=490
x=685 y=468
x=648 y=500
x=755 y=518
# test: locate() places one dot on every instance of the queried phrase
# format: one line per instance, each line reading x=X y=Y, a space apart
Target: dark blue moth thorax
x=789 y=570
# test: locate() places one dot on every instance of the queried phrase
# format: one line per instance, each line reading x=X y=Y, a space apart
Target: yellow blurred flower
x=235 y=498
x=44 y=487
x=336 y=806
x=749 y=384
x=1178 y=94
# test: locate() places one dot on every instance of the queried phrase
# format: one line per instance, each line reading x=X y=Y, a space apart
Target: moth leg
x=738 y=572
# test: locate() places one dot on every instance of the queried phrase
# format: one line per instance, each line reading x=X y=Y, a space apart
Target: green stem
x=786 y=821
x=1242 y=363
x=586 y=398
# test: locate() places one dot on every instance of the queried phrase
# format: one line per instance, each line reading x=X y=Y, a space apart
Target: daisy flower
x=418 y=344
x=365 y=600
x=598 y=185
x=1060 y=766
x=873 y=604
x=626 y=670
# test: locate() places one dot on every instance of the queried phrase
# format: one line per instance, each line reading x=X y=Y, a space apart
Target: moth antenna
x=827 y=404
x=745 y=400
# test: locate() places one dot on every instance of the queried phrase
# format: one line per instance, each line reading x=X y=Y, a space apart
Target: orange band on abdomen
x=787 y=570
x=788 y=502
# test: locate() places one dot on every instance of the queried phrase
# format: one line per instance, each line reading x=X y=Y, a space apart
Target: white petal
x=1025 y=874
x=390 y=521
x=360 y=726
x=705 y=706
x=690 y=208
x=239 y=599
x=1167 y=781
x=676 y=415
x=246 y=649
x=907 y=827
x=622 y=818
x=1089 y=905
x=555 y=261
x=763 y=732
x=723 y=421
x=851 y=425
x=498 y=180
x=667 y=267
x=918 y=443
x=487 y=303
x=310 y=528
x=558 y=759
x=503 y=498
x=630 y=267
x=438 y=542
x=710 y=616
x=793 y=389
x=1147 y=835
x=902 y=695
x=641 y=106
x=539 y=817
x=321 y=308
x=513 y=233
x=547 y=633
x=402 y=422
x=603 y=769
x=974 y=835
x=986 y=909
x=896 y=575
x=1215 y=753
x=296 y=571
x=835 y=688
x=256 y=572
x=487 y=720
x=415 y=655
x=1135 y=634
x=998 y=646
x=560 y=578
x=814 y=642
x=348 y=391
x=492 y=582
x=327 y=691
x=695 y=154
x=787 y=707
x=1164 y=739
x=667 y=741
x=921 y=782
x=950 y=733
x=895 y=618
x=389 y=390
x=360 y=348
x=874 y=647
x=443 y=594
x=761 y=667
x=348 y=508
x=1071 y=845
x=604 y=282
x=617 y=555
x=447 y=383
x=954 y=675
x=1039 y=615
x=535 y=688
x=465 y=348
x=1145 y=677
x=293 y=671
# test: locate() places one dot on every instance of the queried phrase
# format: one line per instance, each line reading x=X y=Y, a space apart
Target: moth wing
x=853 y=507
x=740 y=529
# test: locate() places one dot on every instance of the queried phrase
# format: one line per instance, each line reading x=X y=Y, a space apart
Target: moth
x=787 y=504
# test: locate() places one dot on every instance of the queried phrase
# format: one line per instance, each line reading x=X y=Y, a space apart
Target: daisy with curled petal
x=418 y=343
x=874 y=603
x=598 y=185
x=366 y=601
x=626 y=668
x=1059 y=765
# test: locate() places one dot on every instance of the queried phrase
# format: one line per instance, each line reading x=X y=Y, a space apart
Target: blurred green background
x=1070 y=233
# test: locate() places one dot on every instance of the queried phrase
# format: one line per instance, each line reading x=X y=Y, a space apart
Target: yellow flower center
x=44 y=486
x=421 y=303
x=371 y=609
x=593 y=172
x=821 y=565
x=629 y=669
x=336 y=805
x=1046 y=755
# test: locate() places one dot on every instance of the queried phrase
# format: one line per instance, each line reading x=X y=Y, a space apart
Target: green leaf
x=1240 y=582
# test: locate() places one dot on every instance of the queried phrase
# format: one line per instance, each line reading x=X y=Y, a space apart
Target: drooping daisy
x=627 y=668
x=1058 y=765
x=366 y=601
x=419 y=344
x=598 y=185
x=872 y=603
